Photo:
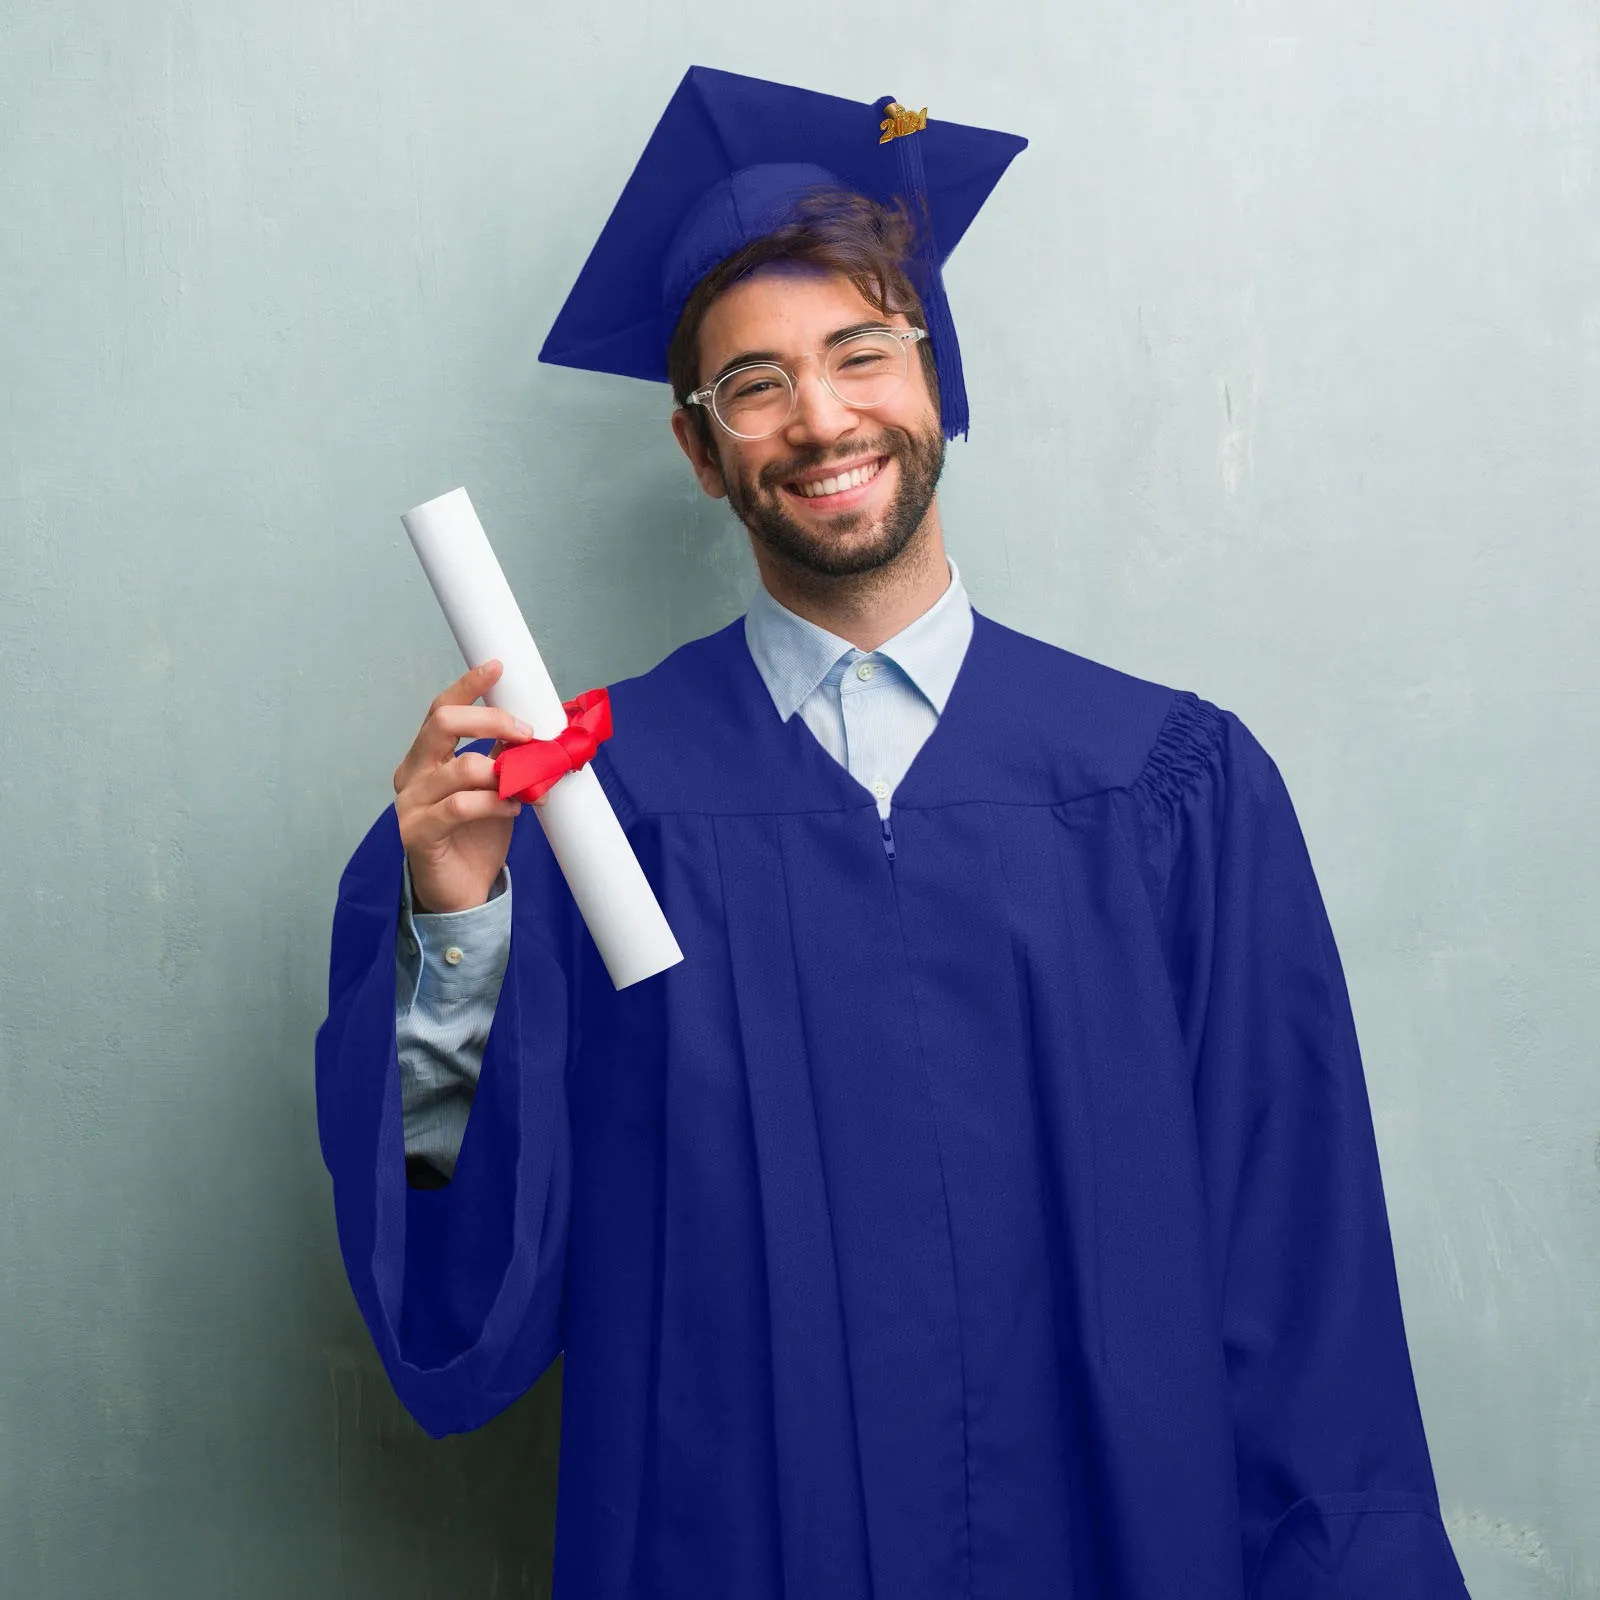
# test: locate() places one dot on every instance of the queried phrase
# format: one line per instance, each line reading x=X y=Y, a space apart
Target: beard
x=847 y=542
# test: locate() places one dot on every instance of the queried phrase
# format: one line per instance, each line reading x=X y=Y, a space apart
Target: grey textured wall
x=1283 y=342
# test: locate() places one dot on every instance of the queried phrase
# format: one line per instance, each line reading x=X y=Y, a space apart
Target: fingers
x=442 y=726
x=452 y=717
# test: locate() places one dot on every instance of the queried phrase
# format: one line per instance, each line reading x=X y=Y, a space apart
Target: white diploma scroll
x=605 y=877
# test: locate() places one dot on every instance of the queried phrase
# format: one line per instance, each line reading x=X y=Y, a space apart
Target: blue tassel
x=941 y=329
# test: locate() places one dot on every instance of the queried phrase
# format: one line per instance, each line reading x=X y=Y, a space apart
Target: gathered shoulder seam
x=1184 y=750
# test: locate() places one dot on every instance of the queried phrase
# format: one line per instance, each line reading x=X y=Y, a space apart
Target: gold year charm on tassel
x=898 y=122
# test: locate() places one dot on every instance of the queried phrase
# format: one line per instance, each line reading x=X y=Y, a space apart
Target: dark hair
x=835 y=229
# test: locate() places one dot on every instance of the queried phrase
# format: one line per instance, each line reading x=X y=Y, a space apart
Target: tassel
x=941 y=328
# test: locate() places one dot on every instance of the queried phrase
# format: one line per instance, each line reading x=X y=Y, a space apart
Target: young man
x=988 y=1203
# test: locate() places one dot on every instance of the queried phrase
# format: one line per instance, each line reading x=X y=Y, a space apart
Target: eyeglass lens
x=863 y=371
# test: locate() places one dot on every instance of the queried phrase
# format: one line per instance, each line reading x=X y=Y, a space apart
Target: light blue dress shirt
x=870 y=710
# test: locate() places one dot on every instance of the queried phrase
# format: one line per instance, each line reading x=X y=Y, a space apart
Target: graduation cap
x=726 y=164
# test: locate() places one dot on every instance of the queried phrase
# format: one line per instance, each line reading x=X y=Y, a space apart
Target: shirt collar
x=794 y=655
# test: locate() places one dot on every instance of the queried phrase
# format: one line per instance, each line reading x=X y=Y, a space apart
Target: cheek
x=729 y=469
x=746 y=474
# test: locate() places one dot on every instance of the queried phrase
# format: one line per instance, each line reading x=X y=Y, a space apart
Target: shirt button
x=453 y=955
x=864 y=669
x=411 y=945
x=881 y=789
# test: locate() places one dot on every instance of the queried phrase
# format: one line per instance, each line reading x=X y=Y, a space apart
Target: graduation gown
x=987 y=1206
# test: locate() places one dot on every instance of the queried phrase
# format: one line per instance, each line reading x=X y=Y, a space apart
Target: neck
x=865 y=608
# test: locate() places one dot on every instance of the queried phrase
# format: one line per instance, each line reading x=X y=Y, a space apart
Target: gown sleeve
x=1336 y=1489
x=461 y=1287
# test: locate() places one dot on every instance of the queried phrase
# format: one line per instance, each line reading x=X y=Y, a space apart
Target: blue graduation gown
x=986 y=1206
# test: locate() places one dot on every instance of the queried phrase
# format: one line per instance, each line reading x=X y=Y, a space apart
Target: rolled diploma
x=612 y=892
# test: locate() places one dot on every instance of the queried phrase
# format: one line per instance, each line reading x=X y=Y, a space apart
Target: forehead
x=781 y=304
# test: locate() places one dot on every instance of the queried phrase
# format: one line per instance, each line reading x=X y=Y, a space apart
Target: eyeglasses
x=754 y=401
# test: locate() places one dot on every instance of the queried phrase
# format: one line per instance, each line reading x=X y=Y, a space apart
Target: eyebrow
x=746 y=356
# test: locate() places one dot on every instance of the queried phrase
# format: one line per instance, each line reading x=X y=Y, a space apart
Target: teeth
x=849 y=480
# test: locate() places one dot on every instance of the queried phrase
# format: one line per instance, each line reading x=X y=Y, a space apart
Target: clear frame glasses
x=754 y=401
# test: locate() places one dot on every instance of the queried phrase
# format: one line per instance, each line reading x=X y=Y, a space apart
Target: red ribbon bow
x=528 y=769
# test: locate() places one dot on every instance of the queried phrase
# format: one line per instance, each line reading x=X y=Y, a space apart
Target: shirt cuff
x=452 y=955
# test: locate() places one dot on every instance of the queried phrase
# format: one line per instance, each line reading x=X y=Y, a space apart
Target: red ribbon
x=528 y=769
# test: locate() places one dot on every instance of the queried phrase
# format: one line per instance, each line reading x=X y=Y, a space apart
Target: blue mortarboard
x=726 y=164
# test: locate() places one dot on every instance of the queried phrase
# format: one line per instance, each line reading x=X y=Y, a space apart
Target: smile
x=827 y=493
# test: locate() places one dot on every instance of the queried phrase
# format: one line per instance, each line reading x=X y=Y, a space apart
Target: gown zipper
x=888 y=839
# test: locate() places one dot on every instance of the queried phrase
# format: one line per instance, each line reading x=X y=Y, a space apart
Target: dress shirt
x=871 y=710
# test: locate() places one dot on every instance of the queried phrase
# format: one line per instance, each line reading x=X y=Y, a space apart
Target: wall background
x=1283 y=340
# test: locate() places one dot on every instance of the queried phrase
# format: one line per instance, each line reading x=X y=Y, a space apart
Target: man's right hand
x=455 y=827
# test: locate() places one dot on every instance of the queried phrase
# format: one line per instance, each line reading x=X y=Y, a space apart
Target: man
x=988 y=1203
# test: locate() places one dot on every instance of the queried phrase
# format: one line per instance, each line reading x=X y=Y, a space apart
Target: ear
x=706 y=467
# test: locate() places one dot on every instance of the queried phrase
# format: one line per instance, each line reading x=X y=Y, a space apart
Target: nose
x=819 y=414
